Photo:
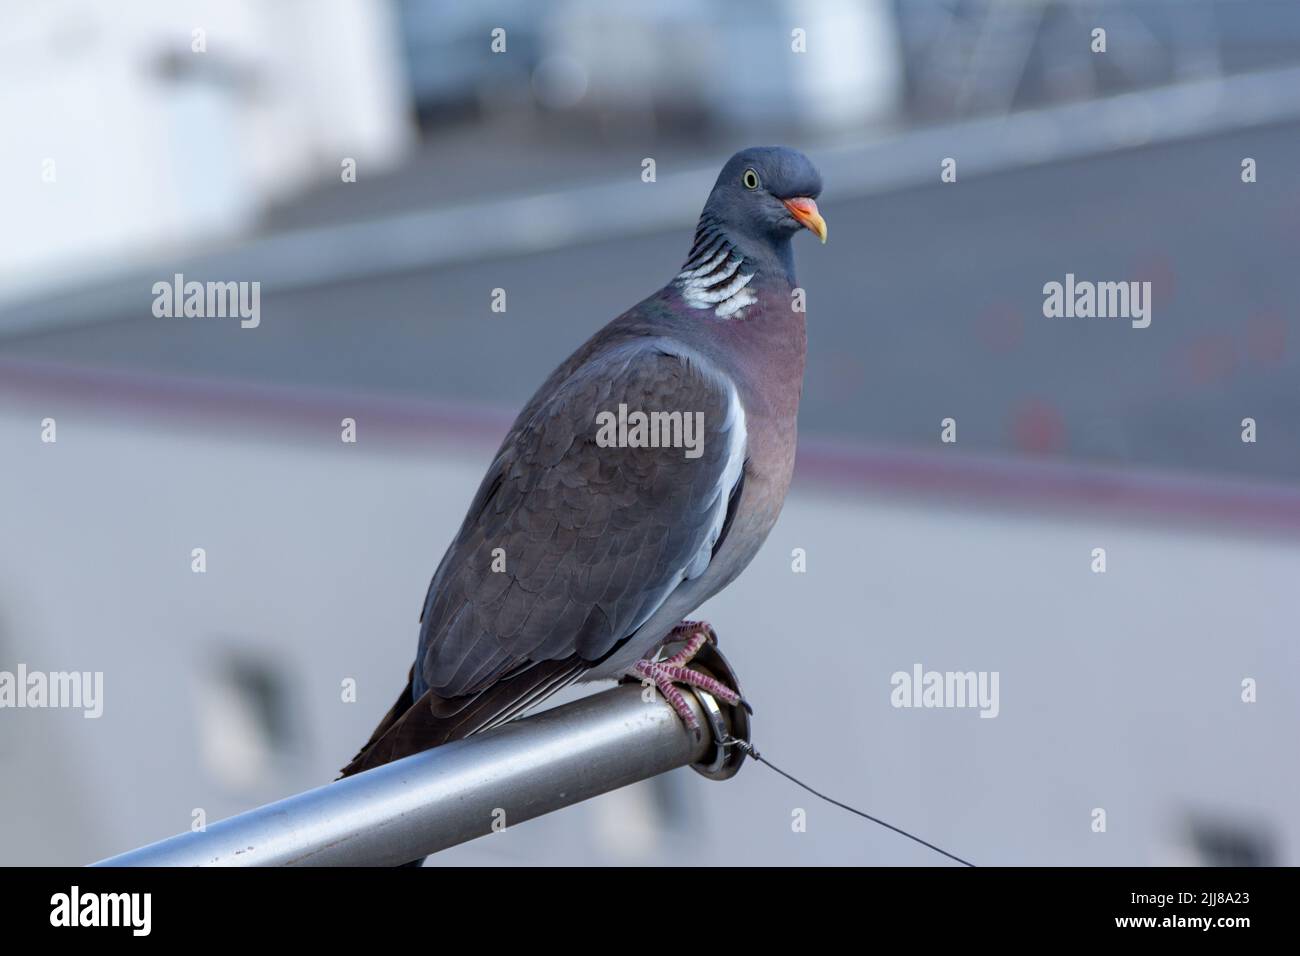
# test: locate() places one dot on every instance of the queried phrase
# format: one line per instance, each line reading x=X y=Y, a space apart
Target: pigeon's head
x=767 y=192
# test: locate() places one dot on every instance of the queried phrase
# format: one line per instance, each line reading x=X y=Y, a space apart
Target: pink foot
x=670 y=672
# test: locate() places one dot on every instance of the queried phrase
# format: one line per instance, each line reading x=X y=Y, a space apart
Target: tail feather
x=394 y=714
x=412 y=727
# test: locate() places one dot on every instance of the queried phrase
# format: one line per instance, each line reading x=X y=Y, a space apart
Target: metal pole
x=454 y=793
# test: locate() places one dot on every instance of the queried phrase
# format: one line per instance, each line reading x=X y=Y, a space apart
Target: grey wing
x=568 y=546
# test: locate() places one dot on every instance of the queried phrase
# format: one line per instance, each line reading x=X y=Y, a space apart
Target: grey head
x=762 y=198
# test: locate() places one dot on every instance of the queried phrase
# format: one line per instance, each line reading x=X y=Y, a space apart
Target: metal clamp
x=725 y=722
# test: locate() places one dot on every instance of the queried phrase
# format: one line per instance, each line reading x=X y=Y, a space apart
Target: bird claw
x=670 y=672
x=688 y=629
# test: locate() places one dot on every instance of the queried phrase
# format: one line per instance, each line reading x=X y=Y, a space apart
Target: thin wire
x=748 y=748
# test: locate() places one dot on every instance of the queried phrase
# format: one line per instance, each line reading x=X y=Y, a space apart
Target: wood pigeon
x=640 y=480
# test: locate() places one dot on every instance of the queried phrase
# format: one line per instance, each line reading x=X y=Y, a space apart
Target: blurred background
x=380 y=169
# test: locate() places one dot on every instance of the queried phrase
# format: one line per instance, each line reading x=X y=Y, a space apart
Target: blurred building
x=152 y=124
x=675 y=63
x=226 y=689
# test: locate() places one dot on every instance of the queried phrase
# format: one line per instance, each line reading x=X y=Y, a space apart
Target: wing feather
x=594 y=540
x=581 y=527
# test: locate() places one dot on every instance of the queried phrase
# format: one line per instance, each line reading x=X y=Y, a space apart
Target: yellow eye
x=750 y=179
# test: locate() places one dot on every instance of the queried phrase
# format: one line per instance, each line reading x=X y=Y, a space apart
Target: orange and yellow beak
x=805 y=211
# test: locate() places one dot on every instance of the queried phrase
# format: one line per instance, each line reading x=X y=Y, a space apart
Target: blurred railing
x=463 y=790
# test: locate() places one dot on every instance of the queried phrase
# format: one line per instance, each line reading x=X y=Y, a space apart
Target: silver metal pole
x=454 y=793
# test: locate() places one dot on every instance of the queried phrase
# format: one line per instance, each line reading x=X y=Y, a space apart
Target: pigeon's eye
x=750 y=179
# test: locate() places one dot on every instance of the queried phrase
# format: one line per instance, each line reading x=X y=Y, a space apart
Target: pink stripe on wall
x=943 y=473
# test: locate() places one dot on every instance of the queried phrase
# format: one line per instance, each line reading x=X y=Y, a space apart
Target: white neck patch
x=713 y=277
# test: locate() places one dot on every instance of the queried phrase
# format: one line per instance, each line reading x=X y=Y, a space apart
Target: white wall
x=1118 y=691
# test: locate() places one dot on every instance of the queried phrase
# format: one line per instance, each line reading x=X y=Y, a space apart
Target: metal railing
x=465 y=789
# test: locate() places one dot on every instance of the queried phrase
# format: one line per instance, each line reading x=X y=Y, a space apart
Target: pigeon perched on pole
x=640 y=480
